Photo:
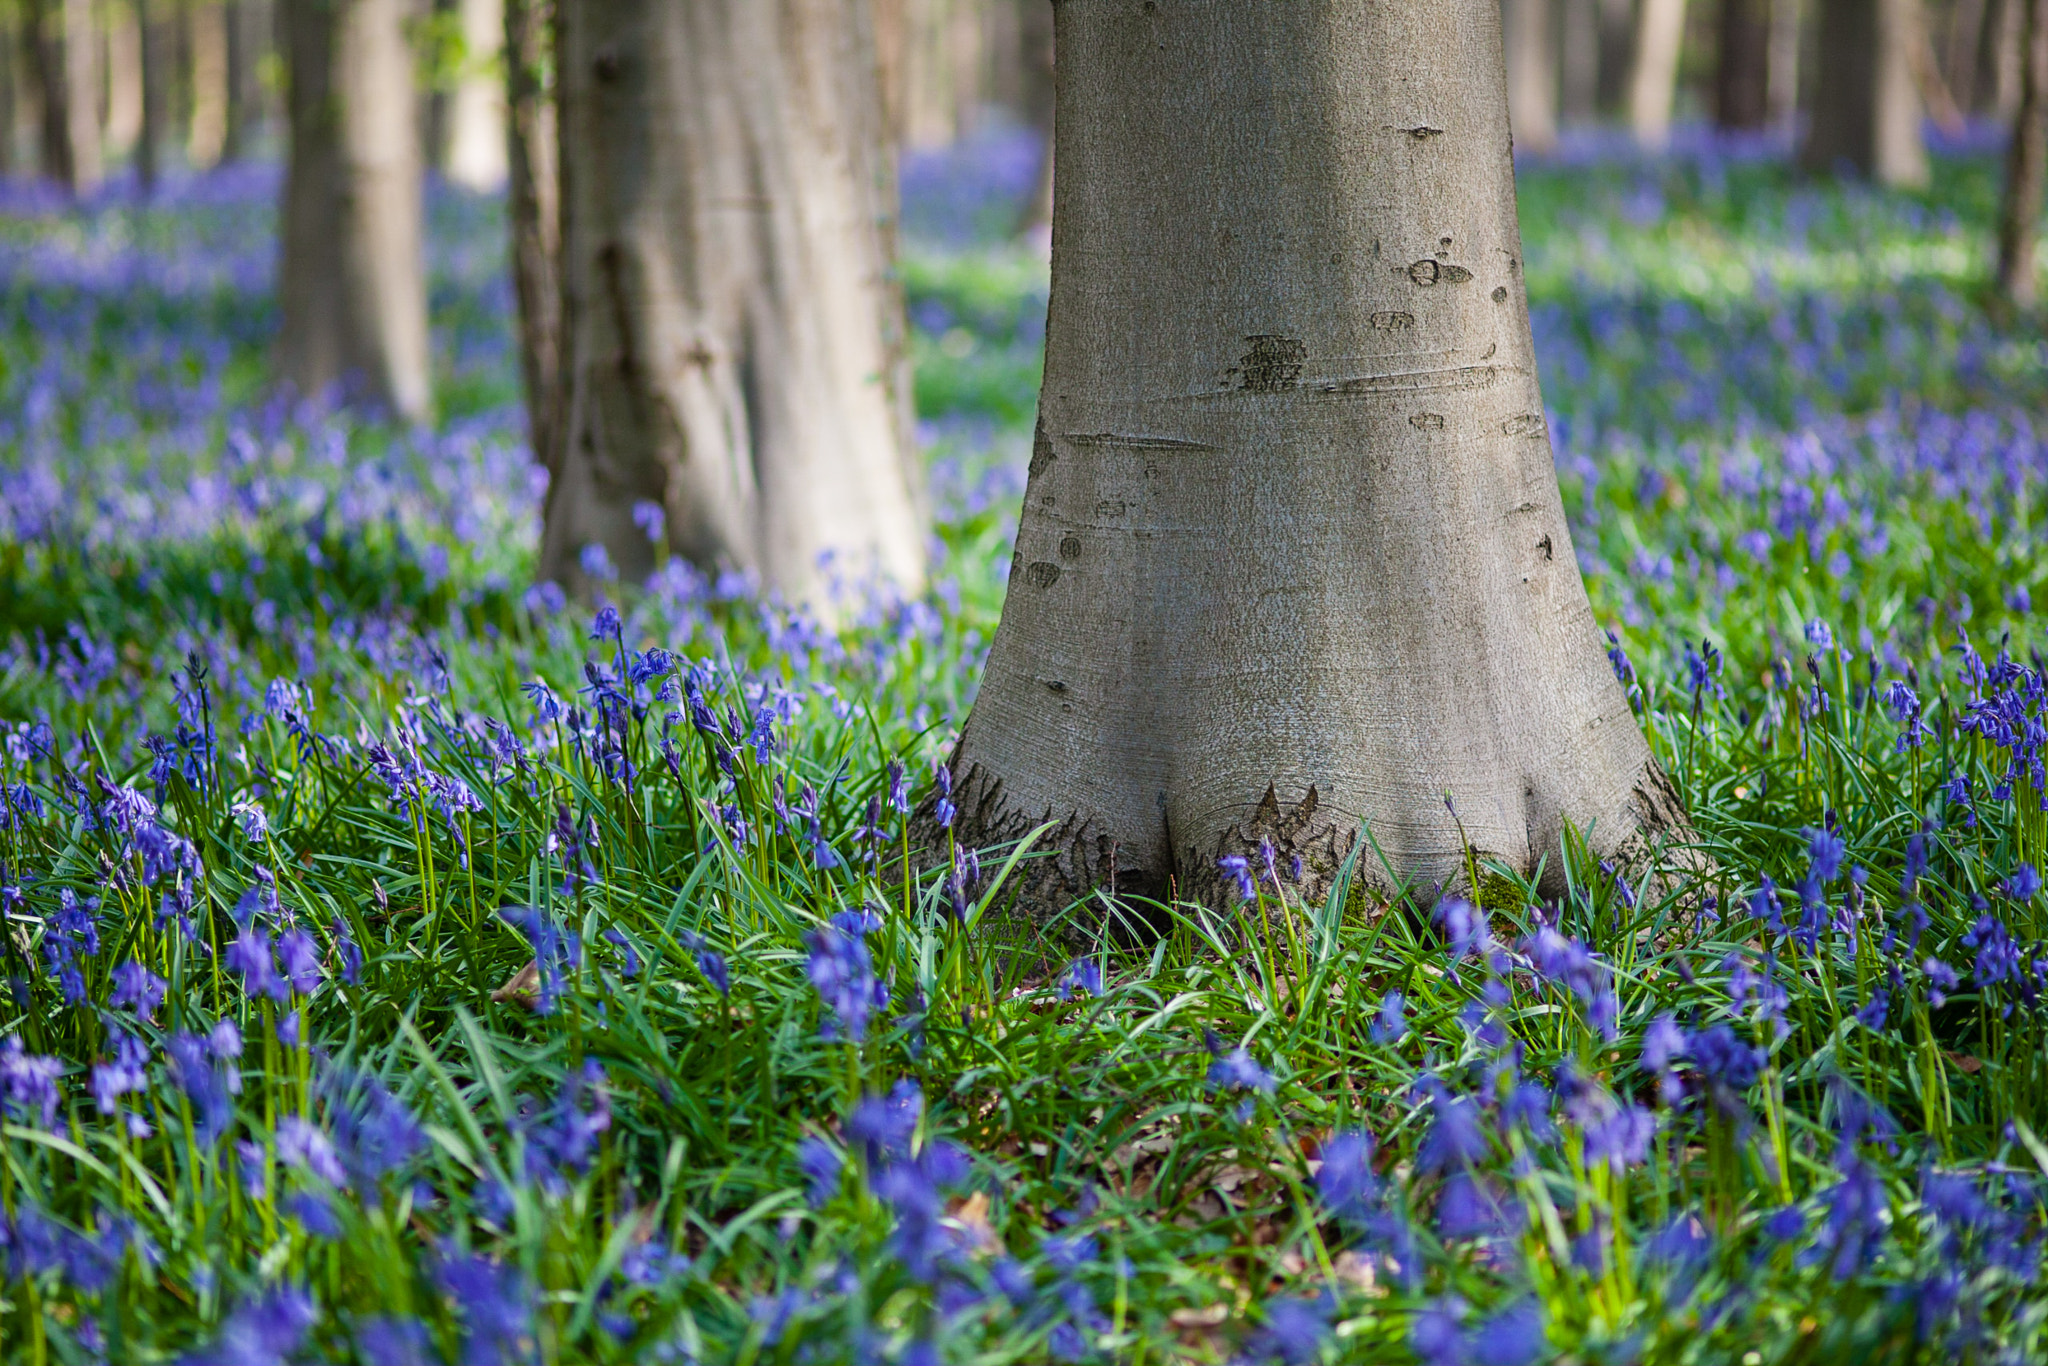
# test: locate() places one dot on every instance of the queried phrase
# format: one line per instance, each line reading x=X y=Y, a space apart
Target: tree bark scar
x=1272 y=366
x=1042 y=455
x=1416 y=381
x=1129 y=441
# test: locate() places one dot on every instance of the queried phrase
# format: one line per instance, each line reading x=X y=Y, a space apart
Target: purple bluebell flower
x=374 y=1131
x=1513 y=1337
x=1083 y=977
x=351 y=956
x=886 y=1124
x=1294 y=1332
x=1457 y=1133
x=497 y=1304
x=2023 y=883
x=820 y=1164
x=1941 y=980
x=138 y=988
x=943 y=809
x=843 y=972
x=267 y=1331
x=28 y=1083
x=1390 y=1021
x=1346 y=1181
x=303 y=1145
x=1624 y=671
x=205 y=1087
x=315 y=1213
x=1237 y=870
x=300 y=958
x=1237 y=1070
x=250 y=955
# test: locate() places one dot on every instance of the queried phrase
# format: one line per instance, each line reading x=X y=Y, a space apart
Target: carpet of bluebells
x=405 y=964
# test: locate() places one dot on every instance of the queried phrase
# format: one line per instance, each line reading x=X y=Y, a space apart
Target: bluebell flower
x=1871 y=1014
x=899 y=796
x=497 y=1304
x=1457 y=1133
x=351 y=956
x=1853 y=1222
x=1083 y=977
x=1824 y=852
x=137 y=987
x=267 y=1331
x=299 y=957
x=820 y=1163
x=1437 y=1333
x=1294 y=1331
x=1237 y=870
x=2023 y=883
x=1941 y=980
x=249 y=954
x=303 y=1145
x=374 y=1131
x=1469 y=1206
x=1624 y=671
x=1390 y=1021
x=886 y=1124
x=28 y=1084
x=1513 y=1337
x=843 y=972
x=1819 y=636
x=394 y=1342
x=943 y=809
x=1237 y=1070
x=1346 y=1181
x=649 y=517
x=315 y=1213
x=1621 y=1137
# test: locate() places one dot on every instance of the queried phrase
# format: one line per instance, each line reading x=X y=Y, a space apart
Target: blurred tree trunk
x=124 y=79
x=207 y=22
x=1866 y=106
x=1617 y=53
x=352 y=284
x=2025 y=162
x=1532 y=74
x=534 y=205
x=433 y=105
x=156 y=91
x=2006 y=45
x=1579 y=68
x=1653 y=83
x=9 y=59
x=1035 y=31
x=476 y=110
x=1292 y=554
x=1742 y=76
x=1783 y=60
x=733 y=338
x=1965 y=47
x=242 y=105
x=67 y=68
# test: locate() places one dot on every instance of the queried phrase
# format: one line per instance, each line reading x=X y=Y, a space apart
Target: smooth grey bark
x=1866 y=104
x=1617 y=53
x=8 y=93
x=156 y=90
x=1653 y=81
x=1292 y=554
x=206 y=26
x=1035 y=35
x=1532 y=74
x=533 y=194
x=476 y=107
x=1965 y=50
x=2026 y=162
x=2005 y=47
x=1784 y=63
x=352 y=281
x=123 y=50
x=1743 y=66
x=45 y=37
x=1579 y=61
x=241 y=21
x=733 y=334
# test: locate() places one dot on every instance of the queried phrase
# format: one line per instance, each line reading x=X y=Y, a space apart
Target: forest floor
x=404 y=965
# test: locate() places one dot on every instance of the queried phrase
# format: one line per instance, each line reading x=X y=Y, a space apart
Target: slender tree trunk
x=1532 y=74
x=124 y=79
x=238 y=115
x=2005 y=58
x=79 y=76
x=476 y=110
x=156 y=92
x=1784 y=64
x=1866 y=107
x=733 y=339
x=1617 y=53
x=352 y=282
x=209 y=44
x=1965 y=42
x=1653 y=83
x=2025 y=162
x=1035 y=30
x=1579 y=68
x=46 y=48
x=534 y=195
x=1292 y=555
x=9 y=37
x=1742 y=78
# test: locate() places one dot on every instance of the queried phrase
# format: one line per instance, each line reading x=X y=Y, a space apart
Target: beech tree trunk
x=476 y=110
x=1532 y=74
x=2006 y=47
x=240 y=52
x=1653 y=83
x=1035 y=33
x=124 y=80
x=156 y=91
x=8 y=63
x=1784 y=64
x=1292 y=554
x=534 y=206
x=1742 y=76
x=352 y=283
x=1579 y=67
x=2026 y=161
x=1617 y=53
x=207 y=136
x=1866 y=106
x=1965 y=47
x=733 y=336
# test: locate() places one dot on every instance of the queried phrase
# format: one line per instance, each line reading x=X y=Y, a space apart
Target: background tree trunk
x=1866 y=105
x=1617 y=53
x=1292 y=553
x=1035 y=33
x=1532 y=74
x=352 y=283
x=1965 y=49
x=476 y=110
x=1742 y=75
x=534 y=206
x=733 y=338
x=242 y=106
x=156 y=91
x=124 y=80
x=1579 y=69
x=1784 y=64
x=2026 y=161
x=1653 y=82
x=207 y=23
x=2006 y=46
x=9 y=91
